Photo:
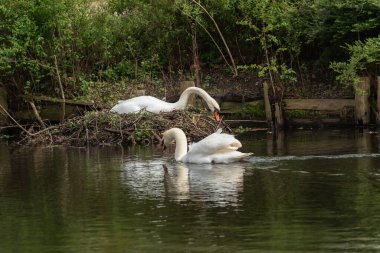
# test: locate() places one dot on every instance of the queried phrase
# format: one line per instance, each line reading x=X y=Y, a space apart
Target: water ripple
x=266 y=159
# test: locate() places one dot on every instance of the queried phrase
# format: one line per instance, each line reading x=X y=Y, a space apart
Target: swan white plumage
x=215 y=148
x=154 y=105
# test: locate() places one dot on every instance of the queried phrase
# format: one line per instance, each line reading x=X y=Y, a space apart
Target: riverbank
x=87 y=121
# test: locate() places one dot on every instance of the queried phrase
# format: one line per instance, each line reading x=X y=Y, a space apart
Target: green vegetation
x=364 y=57
x=256 y=111
x=47 y=46
x=298 y=113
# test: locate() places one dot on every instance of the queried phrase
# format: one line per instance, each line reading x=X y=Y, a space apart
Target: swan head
x=214 y=107
x=167 y=138
x=171 y=136
x=177 y=135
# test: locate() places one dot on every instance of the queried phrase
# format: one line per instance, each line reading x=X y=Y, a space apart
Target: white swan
x=215 y=148
x=154 y=105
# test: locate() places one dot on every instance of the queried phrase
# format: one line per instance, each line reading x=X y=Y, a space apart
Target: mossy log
x=57 y=100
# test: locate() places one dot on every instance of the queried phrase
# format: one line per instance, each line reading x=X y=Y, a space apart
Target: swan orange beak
x=216 y=114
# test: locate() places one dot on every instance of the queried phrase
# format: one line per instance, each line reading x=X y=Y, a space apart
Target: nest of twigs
x=105 y=128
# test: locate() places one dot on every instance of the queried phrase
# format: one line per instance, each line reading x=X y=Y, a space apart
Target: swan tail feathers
x=232 y=156
x=236 y=144
x=242 y=156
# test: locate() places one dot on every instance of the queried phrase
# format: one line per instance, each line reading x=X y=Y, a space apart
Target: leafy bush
x=364 y=57
x=89 y=41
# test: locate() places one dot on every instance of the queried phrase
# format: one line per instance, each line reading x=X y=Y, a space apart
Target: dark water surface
x=305 y=192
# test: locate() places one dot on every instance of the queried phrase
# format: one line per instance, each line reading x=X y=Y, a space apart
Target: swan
x=215 y=148
x=154 y=105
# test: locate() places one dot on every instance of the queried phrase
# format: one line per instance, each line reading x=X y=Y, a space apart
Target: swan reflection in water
x=214 y=184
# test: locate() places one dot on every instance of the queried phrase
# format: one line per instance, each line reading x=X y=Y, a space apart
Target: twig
x=87 y=135
x=221 y=36
x=117 y=131
x=215 y=43
x=156 y=136
x=61 y=88
x=38 y=117
x=225 y=125
x=121 y=132
x=15 y=121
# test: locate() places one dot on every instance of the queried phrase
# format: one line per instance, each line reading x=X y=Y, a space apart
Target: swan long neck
x=181 y=143
x=184 y=98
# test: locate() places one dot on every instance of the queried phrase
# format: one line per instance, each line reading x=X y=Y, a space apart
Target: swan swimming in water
x=215 y=148
x=154 y=105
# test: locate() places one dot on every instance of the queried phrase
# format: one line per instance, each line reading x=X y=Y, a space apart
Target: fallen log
x=58 y=100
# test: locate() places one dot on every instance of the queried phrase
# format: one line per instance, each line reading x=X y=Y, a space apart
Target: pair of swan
x=215 y=148
x=155 y=105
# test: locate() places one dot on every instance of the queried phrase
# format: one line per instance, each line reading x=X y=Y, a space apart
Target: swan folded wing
x=135 y=105
x=229 y=157
x=154 y=105
x=125 y=107
x=215 y=143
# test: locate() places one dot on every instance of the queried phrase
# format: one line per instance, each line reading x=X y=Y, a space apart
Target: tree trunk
x=4 y=104
x=196 y=62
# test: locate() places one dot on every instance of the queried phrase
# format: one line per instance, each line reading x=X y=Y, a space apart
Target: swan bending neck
x=181 y=143
x=184 y=98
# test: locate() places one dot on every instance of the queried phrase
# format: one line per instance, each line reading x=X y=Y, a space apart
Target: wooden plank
x=58 y=100
x=362 y=102
x=278 y=115
x=268 y=110
x=318 y=104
